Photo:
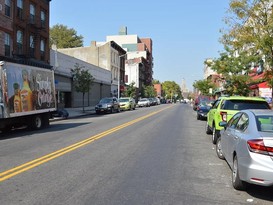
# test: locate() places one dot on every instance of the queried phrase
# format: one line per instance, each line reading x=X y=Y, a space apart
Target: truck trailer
x=27 y=96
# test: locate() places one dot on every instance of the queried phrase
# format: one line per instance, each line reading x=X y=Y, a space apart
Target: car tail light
x=224 y=116
x=257 y=146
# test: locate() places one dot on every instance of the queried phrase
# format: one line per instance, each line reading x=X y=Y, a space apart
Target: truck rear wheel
x=37 y=122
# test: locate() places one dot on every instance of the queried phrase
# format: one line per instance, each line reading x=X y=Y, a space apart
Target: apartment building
x=106 y=55
x=24 y=32
x=137 y=48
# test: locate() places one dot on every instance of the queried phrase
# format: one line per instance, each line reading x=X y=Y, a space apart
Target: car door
x=241 y=125
x=228 y=138
x=212 y=111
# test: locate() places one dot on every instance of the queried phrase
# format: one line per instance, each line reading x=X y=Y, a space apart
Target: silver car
x=246 y=144
x=144 y=102
x=108 y=105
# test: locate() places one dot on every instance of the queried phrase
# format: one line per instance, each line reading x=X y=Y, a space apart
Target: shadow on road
x=260 y=192
x=25 y=132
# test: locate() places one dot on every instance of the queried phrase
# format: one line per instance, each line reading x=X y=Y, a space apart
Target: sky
x=184 y=32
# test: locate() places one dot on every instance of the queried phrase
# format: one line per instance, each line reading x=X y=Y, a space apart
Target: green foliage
x=237 y=85
x=156 y=81
x=149 y=91
x=63 y=37
x=204 y=86
x=130 y=90
x=82 y=80
x=247 y=40
x=171 y=88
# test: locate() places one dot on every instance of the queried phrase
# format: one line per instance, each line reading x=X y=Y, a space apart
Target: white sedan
x=144 y=102
x=246 y=144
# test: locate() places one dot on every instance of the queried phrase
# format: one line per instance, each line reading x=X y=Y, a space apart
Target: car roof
x=259 y=111
x=242 y=98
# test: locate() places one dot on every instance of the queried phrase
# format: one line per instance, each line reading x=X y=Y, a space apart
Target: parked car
x=108 y=105
x=225 y=107
x=144 y=102
x=202 y=110
x=199 y=99
x=246 y=143
x=127 y=103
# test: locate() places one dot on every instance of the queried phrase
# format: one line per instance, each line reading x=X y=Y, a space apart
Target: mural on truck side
x=29 y=89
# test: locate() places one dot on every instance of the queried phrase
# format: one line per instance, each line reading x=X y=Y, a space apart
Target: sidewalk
x=76 y=112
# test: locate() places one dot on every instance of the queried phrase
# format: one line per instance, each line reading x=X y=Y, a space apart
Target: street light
x=119 y=74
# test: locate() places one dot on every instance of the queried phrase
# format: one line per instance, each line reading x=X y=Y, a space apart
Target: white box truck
x=27 y=96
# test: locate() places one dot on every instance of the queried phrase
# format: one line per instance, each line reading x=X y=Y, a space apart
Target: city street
x=157 y=155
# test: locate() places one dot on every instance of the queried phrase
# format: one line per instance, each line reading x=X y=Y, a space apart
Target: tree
x=156 y=81
x=82 y=80
x=250 y=28
x=149 y=91
x=64 y=37
x=234 y=68
x=171 y=89
x=130 y=90
x=204 y=86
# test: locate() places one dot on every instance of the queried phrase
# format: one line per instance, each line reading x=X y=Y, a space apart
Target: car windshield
x=105 y=100
x=123 y=100
x=143 y=100
x=265 y=123
x=244 y=104
x=204 y=103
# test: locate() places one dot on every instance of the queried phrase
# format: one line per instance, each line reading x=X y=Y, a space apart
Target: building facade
x=24 y=32
x=137 y=48
x=105 y=55
x=66 y=94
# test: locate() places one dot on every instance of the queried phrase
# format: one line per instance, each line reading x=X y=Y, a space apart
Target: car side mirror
x=223 y=124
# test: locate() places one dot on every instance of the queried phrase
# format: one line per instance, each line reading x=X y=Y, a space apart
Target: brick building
x=24 y=32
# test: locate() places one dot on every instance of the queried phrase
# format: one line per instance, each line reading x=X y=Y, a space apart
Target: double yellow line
x=34 y=163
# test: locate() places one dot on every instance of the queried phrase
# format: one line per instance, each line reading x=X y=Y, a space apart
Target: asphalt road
x=150 y=156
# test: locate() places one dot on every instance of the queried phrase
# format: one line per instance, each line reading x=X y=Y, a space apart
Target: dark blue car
x=202 y=110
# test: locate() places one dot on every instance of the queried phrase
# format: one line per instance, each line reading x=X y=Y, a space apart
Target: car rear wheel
x=219 y=149
x=236 y=181
x=215 y=135
x=208 y=131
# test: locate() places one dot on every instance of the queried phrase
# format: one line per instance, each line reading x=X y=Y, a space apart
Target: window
x=31 y=45
x=43 y=19
x=233 y=121
x=8 y=7
x=215 y=104
x=20 y=9
x=7 y=44
x=42 y=49
x=32 y=13
x=243 y=122
x=19 y=41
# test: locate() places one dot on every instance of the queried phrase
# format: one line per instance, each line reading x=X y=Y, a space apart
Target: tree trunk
x=83 y=102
